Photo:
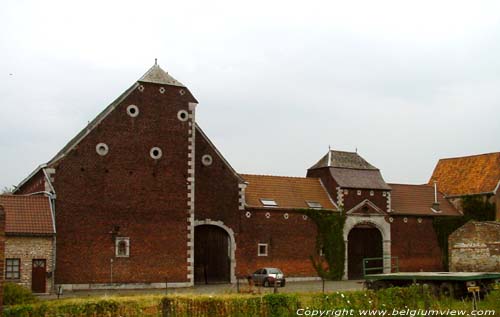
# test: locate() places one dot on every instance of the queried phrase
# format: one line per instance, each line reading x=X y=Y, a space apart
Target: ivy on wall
x=476 y=208
x=330 y=240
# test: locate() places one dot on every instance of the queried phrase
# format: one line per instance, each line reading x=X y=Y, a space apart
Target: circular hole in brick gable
x=133 y=111
x=268 y=215
x=286 y=215
x=141 y=88
x=206 y=160
x=155 y=153
x=162 y=90
x=102 y=149
x=304 y=217
x=248 y=214
x=182 y=115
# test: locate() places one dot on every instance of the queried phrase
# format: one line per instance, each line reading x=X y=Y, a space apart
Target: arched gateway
x=213 y=253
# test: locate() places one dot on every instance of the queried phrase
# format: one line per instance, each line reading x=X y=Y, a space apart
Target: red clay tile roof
x=418 y=200
x=468 y=175
x=288 y=192
x=27 y=214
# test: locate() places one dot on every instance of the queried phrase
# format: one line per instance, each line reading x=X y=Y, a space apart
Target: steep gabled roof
x=418 y=200
x=468 y=175
x=157 y=75
x=361 y=179
x=288 y=192
x=27 y=215
x=341 y=159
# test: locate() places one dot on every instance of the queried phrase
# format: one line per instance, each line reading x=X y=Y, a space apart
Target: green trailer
x=455 y=284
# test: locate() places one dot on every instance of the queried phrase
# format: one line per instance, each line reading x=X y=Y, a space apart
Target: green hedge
x=14 y=294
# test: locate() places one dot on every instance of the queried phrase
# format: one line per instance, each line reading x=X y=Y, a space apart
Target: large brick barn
x=142 y=196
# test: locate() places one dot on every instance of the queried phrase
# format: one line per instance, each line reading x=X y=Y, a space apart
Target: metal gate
x=363 y=242
x=211 y=255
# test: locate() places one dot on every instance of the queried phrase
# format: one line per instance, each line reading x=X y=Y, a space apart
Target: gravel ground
x=291 y=287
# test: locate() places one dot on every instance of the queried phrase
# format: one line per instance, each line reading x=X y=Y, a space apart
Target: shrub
x=14 y=294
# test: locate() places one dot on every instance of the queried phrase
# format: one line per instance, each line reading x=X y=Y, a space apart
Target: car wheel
x=266 y=283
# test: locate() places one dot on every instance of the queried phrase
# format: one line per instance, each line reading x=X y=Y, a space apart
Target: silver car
x=268 y=276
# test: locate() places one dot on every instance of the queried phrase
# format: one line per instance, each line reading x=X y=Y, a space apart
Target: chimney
x=435 y=205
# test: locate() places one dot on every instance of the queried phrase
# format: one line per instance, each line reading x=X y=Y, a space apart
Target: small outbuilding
x=475 y=247
x=29 y=241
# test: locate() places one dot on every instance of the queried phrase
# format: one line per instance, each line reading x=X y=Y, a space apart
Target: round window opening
x=133 y=110
x=248 y=214
x=102 y=149
x=304 y=217
x=182 y=115
x=268 y=215
x=391 y=219
x=162 y=90
x=286 y=216
x=155 y=153
x=206 y=160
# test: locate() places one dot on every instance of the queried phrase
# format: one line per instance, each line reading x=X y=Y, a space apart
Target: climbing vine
x=330 y=240
x=474 y=208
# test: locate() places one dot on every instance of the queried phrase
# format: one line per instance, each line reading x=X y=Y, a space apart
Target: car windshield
x=274 y=271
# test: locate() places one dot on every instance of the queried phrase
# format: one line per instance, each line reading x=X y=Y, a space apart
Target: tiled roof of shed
x=418 y=200
x=27 y=214
x=468 y=175
x=288 y=192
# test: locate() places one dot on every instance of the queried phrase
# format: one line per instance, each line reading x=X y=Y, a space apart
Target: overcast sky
x=404 y=82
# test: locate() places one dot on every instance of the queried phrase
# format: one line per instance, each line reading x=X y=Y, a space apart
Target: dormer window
x=314 y=204
x=268 y=202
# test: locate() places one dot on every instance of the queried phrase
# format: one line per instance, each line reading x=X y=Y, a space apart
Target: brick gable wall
x=146 y=198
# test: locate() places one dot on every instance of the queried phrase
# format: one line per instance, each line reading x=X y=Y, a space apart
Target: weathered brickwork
x=290 y=241
x=475 y=247
x=415 y=244
x=34 y=184
x=127 y=193
x=26 y=249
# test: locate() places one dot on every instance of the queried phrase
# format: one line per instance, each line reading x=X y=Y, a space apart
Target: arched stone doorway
x=364 y=241
x=214 y=250
x=375 y=226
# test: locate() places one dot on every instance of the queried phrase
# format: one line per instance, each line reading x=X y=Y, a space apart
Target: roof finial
x=356 y=149
x=156 y=61
x=329 y=155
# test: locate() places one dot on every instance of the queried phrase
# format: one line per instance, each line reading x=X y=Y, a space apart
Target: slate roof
x=418 y=199
x=157 y=75
x=29 y=215
x=361 y=179
x=342 y=159
x=288 y=192
x=476 y=174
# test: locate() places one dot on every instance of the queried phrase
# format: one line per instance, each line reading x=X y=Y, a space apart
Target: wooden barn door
x=211 y=255
x=38 y=275
x=363 y=242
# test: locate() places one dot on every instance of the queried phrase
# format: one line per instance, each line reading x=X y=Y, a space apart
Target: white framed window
x=286 y=215
x=268 y=202
x=419 y=220
x=346 y=191
x=359 y=192
x=12 y=269
x=405 y=220
x=122 y=247
x=262 y=249
x=384 y=194
x=372 y=193
x=314 y=204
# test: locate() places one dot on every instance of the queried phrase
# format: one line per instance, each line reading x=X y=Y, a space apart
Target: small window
x=268 y=202
x=384 y=194
x=346 y=192
x=122 y=246
x=12 y=269
x=359 y=192
x=262 y=249
x=314 y=204
x=372 y=193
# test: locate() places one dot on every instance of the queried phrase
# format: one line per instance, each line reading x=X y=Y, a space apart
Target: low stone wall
x=475 y=247
x=26 y=249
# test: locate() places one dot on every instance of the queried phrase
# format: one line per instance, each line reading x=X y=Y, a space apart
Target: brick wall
x=475 y=247
x=33 y=185
x=415 y=244
x=291 y=242
x=146 y=198
x=26 y=249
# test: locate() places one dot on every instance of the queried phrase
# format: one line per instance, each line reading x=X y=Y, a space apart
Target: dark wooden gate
x=363 y=242
x=211 y=255
x=38 y=276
